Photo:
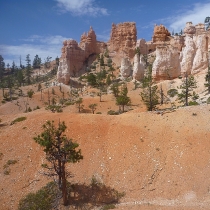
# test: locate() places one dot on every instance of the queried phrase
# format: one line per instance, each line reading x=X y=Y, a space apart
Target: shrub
x=19 y=119
x=44 y=198
x=208 y=100
x=6 y=168
x=29 y=109
x=14 y=98
x=54 y=108
x=112 y=112
x=11 y=162
x=108 y=206
x=30 y=93
x=7 y=171
x=98 y=113
x=68 y=103
x=172 y=92
x=1 y=155
x=193 y=103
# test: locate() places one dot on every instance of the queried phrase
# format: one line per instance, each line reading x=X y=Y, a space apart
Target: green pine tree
x=59 y=150
x=149 y=93
x=187 y=87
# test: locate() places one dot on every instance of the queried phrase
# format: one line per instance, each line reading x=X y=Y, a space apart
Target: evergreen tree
x=93 y=107
x=13 y=68
x=20 y=77
x=37 y=62
x=187 y=86
x=79 y=104
x=57 y=61
x=207 y=78
x=108 y=80
x=115 y=89
x=59 y=151
x=149 y=93
x=2 y=67
x=123 y=100
x=137 y=51
x=102 y=60
x=47 y=62
x=28 y=69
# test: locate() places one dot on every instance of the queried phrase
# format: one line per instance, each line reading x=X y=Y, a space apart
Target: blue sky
x=40 y=26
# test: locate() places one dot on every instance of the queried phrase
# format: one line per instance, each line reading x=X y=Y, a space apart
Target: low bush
x=19 y=119
x=30 y=93
x=172 y=92
x=43 y=199
x=193 y=103
x=29 y=109
x=54 y=108
x=112 y=112
x=208 y=100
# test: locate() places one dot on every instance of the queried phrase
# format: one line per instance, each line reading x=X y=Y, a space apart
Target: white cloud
x=50 y=40
x=41 y=46
x=81 y=7
x=196 y=15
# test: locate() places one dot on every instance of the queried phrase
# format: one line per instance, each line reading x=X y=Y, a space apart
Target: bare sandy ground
x=160 y=161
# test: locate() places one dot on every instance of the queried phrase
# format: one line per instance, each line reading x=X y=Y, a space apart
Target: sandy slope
x=159 y=161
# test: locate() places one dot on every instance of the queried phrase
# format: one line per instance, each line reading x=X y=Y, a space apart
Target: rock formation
x=74 y=57
x=138 y=67
x=142 y=45
x=125 y=68
x=189 y=29
x=200 y=61
x=175 y=55
x=167 y=63
x=123 y=39
x=160 y=33
x=183 y=54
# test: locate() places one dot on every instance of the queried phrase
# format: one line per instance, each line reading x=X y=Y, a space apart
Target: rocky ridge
x=174 y=55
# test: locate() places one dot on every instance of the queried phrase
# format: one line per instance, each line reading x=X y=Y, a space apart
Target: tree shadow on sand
x=83 y=196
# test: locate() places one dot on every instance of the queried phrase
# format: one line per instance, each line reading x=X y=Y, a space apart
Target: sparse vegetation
x=59 y=151
x=193 y=103
x=54 y=108
x=1 y=155
x=6 y=167
x=112 y=112
x=187 y=86
x=30 y=93
x=123 y=100
x=93 y=107
x=172 y=92
x=149 y=93
x=79 y=104
x=46 y=198
x=19 y=119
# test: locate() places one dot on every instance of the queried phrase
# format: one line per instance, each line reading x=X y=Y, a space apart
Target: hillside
x=160 y=161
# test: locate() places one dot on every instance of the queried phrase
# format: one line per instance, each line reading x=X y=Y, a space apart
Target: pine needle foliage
x=59 y=151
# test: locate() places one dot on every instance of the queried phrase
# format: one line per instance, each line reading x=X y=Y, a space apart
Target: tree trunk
x=187 y=92
x=150 y=98
x=64 y=190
